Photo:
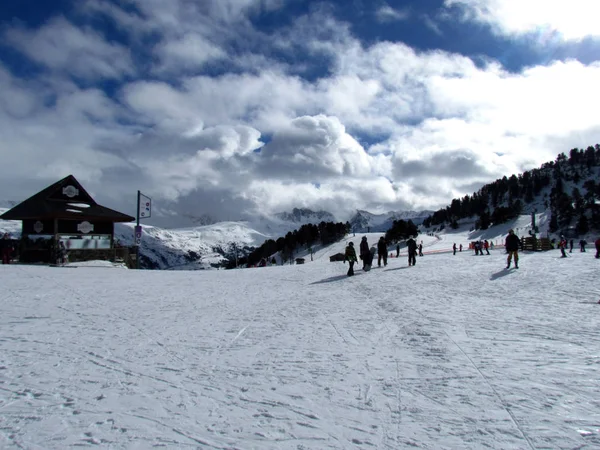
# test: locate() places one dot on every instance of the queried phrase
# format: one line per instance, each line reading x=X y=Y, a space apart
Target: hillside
x=566 y=190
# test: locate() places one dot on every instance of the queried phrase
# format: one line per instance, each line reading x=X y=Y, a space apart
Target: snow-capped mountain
x=303 y=216
x=364 y=221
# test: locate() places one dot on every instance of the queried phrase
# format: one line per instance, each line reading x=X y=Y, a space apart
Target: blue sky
x=235 y=107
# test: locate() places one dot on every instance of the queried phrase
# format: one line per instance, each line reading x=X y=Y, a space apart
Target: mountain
x=303 y=216
x=364 y=221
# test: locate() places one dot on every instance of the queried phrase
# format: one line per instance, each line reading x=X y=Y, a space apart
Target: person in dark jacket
x=512 y=245
x=381 y=252
x=350 y=256
x=582 y=244
x=421 y=248
x=412 y=251
x=571 y=246
x=597 y=244
x=454 y=248
x=6 y=248
x=397 y=250
x=365 y=253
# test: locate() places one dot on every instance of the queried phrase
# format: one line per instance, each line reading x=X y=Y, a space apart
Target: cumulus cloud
x=574 y=20
x=380 y=126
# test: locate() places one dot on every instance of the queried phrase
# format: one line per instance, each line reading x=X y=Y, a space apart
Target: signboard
x=145 y=207
x=85 y=227
x=138 y=235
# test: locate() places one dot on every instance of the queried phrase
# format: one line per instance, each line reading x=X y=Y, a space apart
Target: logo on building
x=85 y=227
x=38 y=227
x=71 y=191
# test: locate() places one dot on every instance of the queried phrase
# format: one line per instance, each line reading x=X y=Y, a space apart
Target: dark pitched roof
x=65 y=199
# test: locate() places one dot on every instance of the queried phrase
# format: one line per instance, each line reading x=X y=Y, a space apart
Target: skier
x=460 y=248
x=421 y=248
x=571 y=246
x=486 y=245
x=381 y=252
x=582 y=244
x=563 y=245
x=350 y=256
x=512 y=244
x=412 y=251
x=364 y=252
x=454 y=248
x=397 y=250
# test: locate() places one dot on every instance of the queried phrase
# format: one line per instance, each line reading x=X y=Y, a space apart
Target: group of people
x=367 y=253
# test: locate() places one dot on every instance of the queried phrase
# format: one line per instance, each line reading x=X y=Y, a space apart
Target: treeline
x=505 y=199
x=400 y=231
x=306 y=236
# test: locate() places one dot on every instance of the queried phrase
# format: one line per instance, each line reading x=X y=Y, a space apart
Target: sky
x=455 y=352
x=234 y=108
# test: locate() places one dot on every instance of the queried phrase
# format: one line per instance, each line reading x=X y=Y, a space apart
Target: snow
x=455 y=352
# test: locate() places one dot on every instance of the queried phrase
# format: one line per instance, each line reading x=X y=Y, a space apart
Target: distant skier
x=454 y=248
x=571 y=246
x=6 y=248
x=486 y=245
x=381 y=252
x=350 y=256
x=460 y=248
x=582 y=244
x=562 y=244
x=421 y=248
x=512 y=245
x=397 y=250
x=412 y=251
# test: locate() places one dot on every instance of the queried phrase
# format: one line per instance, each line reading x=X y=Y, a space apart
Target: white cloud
x=574 y=19
x=61 y=46
x=441 y=123
x=191 y=51
x=385 y=13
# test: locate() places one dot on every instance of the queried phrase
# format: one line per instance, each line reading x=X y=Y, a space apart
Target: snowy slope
x=453 y=353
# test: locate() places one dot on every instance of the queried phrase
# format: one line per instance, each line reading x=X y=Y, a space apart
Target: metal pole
x=137 y=258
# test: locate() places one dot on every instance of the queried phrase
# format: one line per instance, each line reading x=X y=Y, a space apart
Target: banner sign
x=145 y=207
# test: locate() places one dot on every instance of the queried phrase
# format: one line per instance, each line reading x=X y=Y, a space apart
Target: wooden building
x=65 y=212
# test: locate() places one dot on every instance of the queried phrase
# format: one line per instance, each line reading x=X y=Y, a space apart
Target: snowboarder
x=512 y=248
x=350 y=256
x=381 y=252
x=412 y=251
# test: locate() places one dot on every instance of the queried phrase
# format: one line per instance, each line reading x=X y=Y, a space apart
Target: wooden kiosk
x=65 y=212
